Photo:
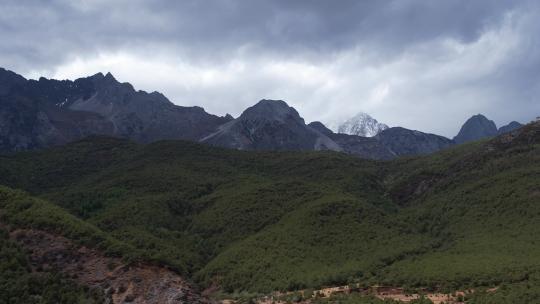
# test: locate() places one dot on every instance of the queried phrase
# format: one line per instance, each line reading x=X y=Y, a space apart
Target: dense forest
x=256 y=222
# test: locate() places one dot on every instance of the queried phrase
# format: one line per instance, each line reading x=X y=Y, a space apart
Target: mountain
x=475 y=128
x=388 y=144
x=273 y=125
x=270 y=125
x=111 y=212
x=47 y=112
x=35 y=114
x=319 y=126
x=9 y=79
x=362 y=125
x=514 y=125
x=364 y=147
x=479 y=127
x=405 y=142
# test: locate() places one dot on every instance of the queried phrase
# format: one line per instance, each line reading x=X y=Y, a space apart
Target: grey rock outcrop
x=509 y=127
x=405 y=142
x=270 y=125
x=47 y=112
x=388 y=144
x=475 y=128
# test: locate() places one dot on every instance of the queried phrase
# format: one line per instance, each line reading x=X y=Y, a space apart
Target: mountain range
x=112 y=195
x=47 y=112
x=36 y=114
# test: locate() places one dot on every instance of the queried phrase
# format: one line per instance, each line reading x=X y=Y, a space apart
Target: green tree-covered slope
x=263 y=221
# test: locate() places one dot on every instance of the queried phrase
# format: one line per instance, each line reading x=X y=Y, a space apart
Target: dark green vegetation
x=464 y=217
x=18 y=284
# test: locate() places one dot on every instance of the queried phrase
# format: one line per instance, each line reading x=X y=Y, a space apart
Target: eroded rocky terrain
x=121 y=282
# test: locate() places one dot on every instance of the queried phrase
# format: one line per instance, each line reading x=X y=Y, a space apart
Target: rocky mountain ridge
x=273 y=125
x=479 y=127
x=509 y=127
x=270 y=125
x=47 y=112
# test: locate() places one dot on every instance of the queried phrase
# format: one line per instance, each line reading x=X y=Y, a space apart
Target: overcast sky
x=421 y=64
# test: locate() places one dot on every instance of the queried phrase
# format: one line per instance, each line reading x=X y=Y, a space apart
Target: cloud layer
x=426 y=65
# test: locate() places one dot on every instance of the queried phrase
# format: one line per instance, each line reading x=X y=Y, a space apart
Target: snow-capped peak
x=362 y=125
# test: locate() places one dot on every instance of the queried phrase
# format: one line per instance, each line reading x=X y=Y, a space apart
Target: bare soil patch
x=381 y=292
x=122 y=283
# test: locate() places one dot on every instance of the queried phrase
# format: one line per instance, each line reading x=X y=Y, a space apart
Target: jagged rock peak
x=362 y=125
x=510 y=127
x=319 y=126
x=8 y=79
x=4 y=73
x=475 y=128
x=109 y=78
x=268 y=109
x=97 y=75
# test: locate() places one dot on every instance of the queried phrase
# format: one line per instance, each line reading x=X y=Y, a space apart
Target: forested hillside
x=466 y=217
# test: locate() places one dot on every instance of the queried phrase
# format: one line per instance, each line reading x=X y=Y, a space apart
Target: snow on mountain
x=362 y=125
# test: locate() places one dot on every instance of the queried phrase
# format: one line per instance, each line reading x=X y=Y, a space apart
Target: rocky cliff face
x=514 y=125
x=402 y=142
x=47 y=112
x=365 y=147
x=388 y=144
x=479 y=127
x=117 y=280
x=35 y=114
x=8 y=80
x=27 y=124
x=475 y=128
x=319 y=126
x=270 y=125
x=273 y=125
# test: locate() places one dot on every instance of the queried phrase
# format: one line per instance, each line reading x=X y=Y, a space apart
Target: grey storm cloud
x=421 y=64
x=53 y=30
